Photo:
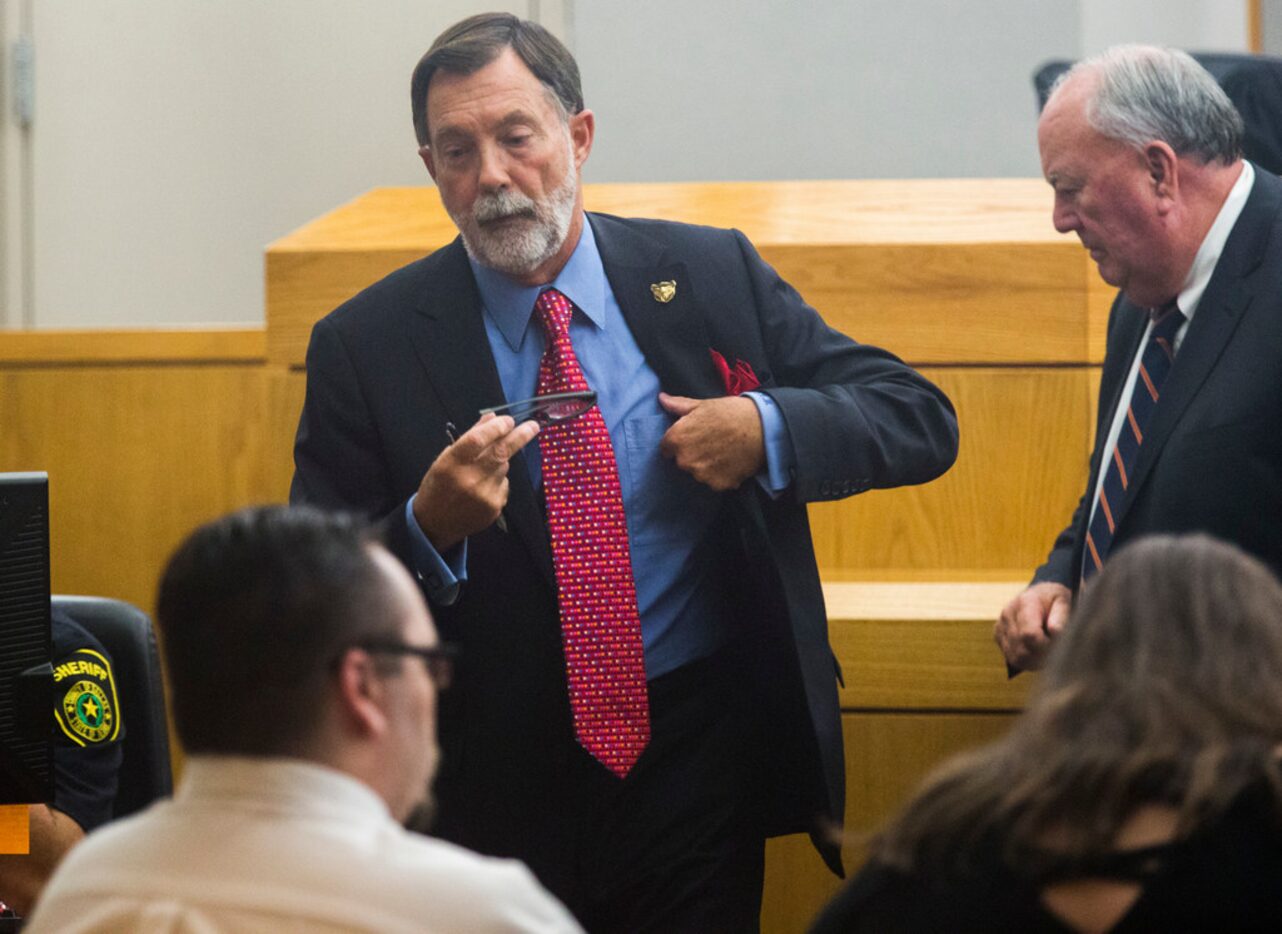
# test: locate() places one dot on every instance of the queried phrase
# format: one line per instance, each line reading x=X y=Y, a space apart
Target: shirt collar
x=510 y=304
x=1208 y=254
x=280 y=783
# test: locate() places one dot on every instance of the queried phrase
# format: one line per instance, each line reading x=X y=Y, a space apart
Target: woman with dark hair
x=1139 y=791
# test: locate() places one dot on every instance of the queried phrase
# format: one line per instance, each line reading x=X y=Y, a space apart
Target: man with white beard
x=645 y=688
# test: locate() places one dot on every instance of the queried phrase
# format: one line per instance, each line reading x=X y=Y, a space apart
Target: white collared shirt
x=1190 y=296
x=269 y=845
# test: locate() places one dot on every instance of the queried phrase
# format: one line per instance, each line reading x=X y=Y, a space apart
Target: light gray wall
x=1271 y=26
x=1195 y=25
x=15 y=219
x=818 y=88
x=175 y=138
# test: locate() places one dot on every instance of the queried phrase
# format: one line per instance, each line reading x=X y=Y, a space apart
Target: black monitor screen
x=26 y=678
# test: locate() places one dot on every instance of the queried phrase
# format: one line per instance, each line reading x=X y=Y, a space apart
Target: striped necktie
x=1155 y=365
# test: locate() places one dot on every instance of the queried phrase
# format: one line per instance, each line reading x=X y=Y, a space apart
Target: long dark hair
x=1166 y=687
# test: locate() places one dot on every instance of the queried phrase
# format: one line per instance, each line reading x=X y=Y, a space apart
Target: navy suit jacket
x=1211 y=460
x=389 y=368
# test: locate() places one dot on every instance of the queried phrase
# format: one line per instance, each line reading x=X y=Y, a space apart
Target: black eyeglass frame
x=437 y=659
x=543 y=409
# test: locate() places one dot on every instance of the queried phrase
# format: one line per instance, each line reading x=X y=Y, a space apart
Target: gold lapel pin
x=664 y=291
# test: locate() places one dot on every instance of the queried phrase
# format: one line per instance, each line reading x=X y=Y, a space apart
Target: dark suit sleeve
x=1118 y=355
x=1058 y=567
x=337 y=460
x=859 y=417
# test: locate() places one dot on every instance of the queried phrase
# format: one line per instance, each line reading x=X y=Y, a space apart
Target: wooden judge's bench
x=146 y=433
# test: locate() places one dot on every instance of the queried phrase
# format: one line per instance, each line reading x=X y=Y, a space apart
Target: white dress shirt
x=1195 y=283
x=259 y=845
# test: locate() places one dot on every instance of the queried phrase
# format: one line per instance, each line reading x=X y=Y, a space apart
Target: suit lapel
x=1208 y=333
x=449 y=338
x=1130 y=323
x=1227 y=297
x=448 y=335
x=673 y=334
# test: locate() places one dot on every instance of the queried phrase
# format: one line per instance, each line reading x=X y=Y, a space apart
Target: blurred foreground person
x=304 y=671
x=1139 y=791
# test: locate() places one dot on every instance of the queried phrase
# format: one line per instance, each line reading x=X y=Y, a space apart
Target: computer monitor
x=26 y=646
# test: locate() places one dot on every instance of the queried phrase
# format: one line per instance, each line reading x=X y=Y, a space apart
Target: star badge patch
x=87 y=710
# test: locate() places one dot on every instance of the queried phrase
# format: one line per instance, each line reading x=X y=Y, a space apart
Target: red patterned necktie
x=600 y=628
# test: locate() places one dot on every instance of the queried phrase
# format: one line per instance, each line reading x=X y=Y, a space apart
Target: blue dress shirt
x=668 y=511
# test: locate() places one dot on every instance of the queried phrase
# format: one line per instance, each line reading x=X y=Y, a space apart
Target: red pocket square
x=737 y=380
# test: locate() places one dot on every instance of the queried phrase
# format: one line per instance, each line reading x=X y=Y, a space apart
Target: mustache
x=501 y=204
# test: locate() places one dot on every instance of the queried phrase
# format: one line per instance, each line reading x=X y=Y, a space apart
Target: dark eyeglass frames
x=438 y=659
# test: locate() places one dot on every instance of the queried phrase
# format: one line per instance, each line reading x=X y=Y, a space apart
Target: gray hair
x=471 y=44
x=1146 y=93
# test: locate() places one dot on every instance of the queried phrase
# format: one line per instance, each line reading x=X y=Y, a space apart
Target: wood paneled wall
x=139 y=451
x=144 y=435
x=940 y=271
x=1022 y=465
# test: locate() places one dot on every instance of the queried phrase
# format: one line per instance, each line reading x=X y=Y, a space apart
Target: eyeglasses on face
x=438 y=659
x=547 y=410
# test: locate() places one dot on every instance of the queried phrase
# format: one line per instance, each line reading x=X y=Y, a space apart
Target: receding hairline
x=397 y=586
x=1081 y=81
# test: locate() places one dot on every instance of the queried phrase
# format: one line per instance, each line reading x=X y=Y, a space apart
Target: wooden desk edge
x=921 y=599
x=144 y=345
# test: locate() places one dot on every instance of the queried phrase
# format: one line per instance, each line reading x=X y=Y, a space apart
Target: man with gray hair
x=1143 y=151
x=647 y=689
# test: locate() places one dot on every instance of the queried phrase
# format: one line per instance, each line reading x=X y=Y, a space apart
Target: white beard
x=519 y=249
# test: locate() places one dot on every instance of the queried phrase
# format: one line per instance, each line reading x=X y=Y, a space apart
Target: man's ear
x=1163 y=170
x=582 y=133
x=425 y=153
x=361 y=695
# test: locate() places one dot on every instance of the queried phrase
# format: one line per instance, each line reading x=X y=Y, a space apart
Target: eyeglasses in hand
x=547 y=410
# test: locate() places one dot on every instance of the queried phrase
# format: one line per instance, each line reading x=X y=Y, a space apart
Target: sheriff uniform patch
x=87 y=709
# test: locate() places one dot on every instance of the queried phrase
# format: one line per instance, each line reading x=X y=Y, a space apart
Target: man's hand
x=719 y=442
x=1030 y=622
x=22 y=876
x=465 y=489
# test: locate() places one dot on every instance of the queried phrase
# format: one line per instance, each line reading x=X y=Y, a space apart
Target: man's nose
x=1064 y=218
x=493 y=175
